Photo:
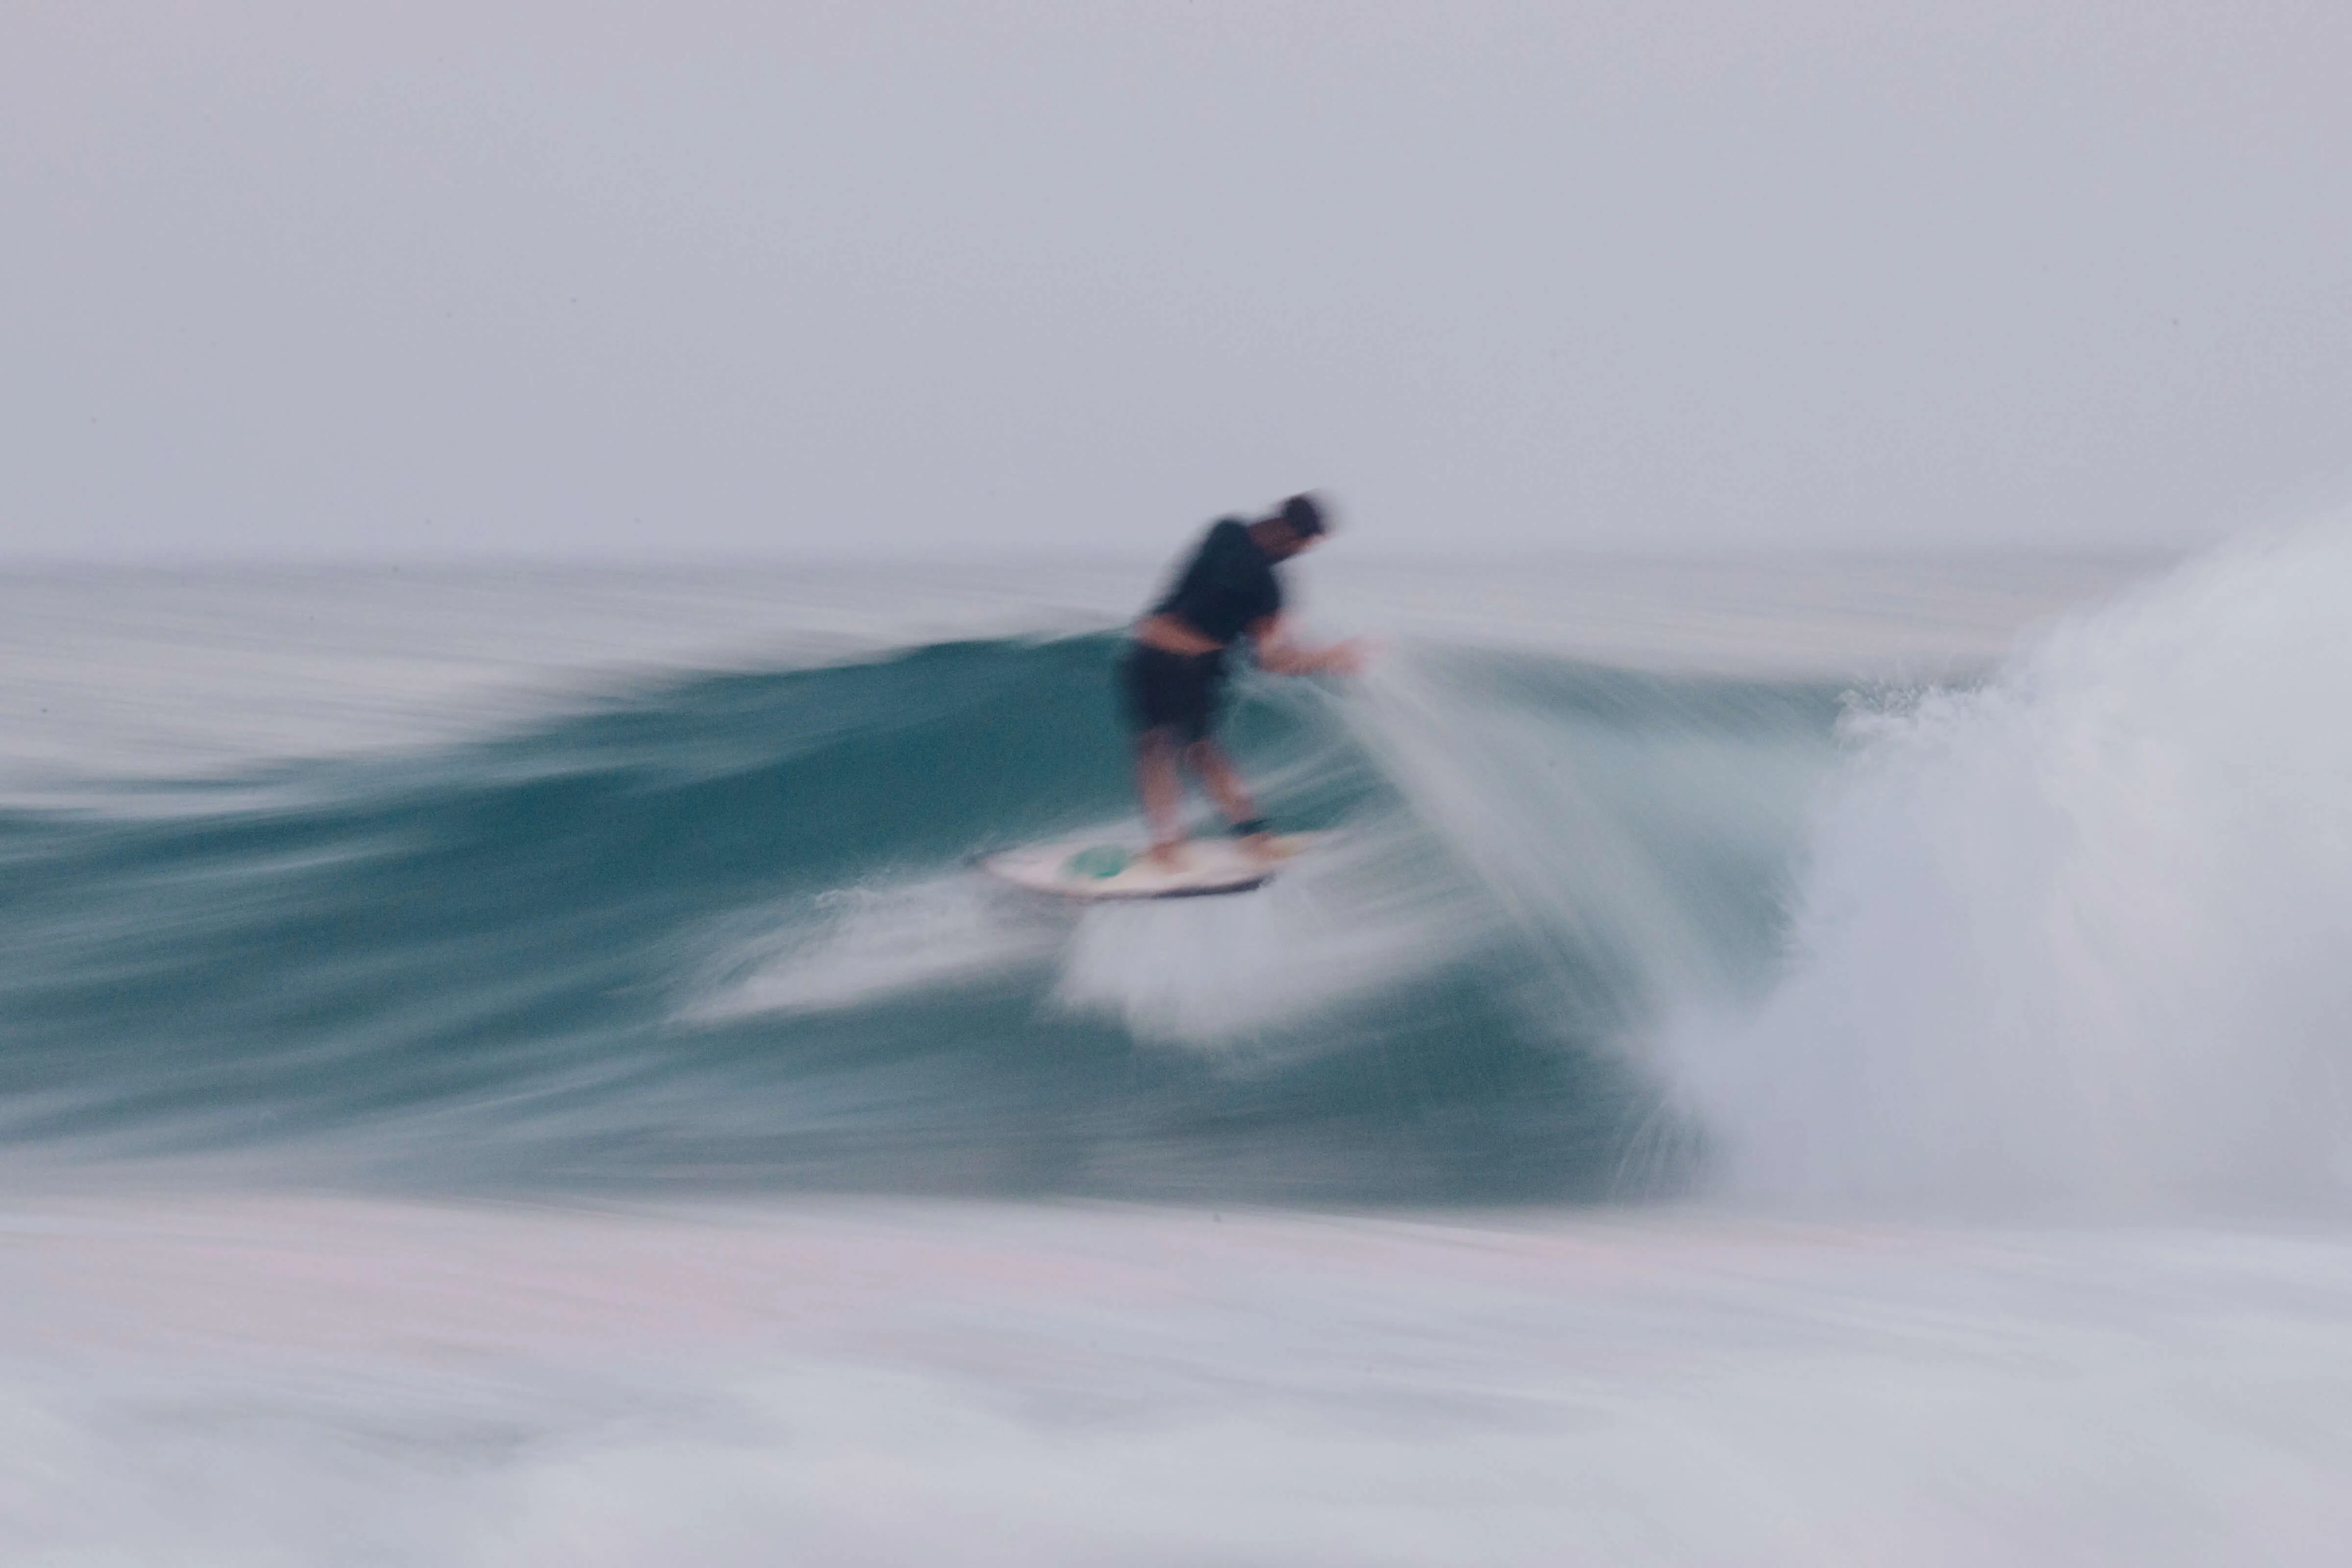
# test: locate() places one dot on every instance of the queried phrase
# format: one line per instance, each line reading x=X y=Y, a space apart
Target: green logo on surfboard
x=1101 y=862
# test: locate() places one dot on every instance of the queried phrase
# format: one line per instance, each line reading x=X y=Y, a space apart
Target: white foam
x=2084 y=937
x=194 y=1381
x=1347 y=921
x=856 y=945
x=1353 y=918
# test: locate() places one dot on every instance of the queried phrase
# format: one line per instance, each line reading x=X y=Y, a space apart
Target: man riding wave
x=1174 y=673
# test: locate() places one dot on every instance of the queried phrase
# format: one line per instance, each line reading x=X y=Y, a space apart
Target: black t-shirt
x=1229 y=586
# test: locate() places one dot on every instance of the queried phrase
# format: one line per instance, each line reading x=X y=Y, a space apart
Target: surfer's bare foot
x=1167 y=857
x=1265 y=847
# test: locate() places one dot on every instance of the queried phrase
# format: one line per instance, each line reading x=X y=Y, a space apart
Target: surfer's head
x=1295 y=524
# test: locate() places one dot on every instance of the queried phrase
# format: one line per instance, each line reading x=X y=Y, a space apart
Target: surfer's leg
x=1148 y=680
x=1223 y=781
x=1163 y=792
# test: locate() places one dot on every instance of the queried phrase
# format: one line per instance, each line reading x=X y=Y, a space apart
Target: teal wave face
x=723 y=932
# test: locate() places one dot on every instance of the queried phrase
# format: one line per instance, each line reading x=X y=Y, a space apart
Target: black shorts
x=1173 y=690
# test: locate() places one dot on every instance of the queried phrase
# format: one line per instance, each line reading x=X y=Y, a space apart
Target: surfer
x=1174 y=675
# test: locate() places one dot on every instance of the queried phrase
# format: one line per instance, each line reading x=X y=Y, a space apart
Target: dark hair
x=1305 y=516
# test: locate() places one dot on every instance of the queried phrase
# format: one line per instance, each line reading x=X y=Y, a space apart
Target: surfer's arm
x=1277 y=653
x=1171 y=635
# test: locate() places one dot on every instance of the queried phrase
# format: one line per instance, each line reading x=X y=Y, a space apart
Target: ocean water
x=1797 y=1061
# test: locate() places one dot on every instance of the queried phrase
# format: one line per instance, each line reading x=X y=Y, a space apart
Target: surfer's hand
x=1344 y=658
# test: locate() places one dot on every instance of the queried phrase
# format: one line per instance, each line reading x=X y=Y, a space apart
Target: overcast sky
x=595 y=279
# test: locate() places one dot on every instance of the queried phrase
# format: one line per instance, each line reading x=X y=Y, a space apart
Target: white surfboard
x=1095 y=869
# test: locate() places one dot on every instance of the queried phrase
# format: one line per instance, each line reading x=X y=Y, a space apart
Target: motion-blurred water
x=509 y=1066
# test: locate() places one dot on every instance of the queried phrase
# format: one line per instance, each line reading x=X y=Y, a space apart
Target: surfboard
x=1095 y=870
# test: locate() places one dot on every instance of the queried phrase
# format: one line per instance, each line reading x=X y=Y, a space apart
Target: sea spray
x=2081 y=938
